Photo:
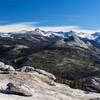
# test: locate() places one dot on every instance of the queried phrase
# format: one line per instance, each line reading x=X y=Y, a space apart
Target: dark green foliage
x=69 y=64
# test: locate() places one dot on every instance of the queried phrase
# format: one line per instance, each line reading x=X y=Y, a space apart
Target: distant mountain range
x=79 y=39
x=94 y=36
x=70 y=56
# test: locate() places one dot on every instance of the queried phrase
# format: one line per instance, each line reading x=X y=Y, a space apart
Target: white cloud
x=59 y=28
x=67 y=28
x=32 y=25
x=17 y=27
x=86 y=31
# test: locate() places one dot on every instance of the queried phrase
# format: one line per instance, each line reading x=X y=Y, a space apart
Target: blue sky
x=78 y=14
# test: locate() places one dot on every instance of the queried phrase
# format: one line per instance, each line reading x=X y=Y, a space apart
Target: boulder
x=51 y=76
x=19 y=90
x=2 y=65
x=8 y=68
x=26 y=69
x=32 y=69
x=93 y=85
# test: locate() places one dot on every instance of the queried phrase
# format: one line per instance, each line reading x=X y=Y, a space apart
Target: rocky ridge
x=28 y=83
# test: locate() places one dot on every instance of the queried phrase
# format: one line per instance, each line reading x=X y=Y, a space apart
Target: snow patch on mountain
x=37 y=31
x=81 y=35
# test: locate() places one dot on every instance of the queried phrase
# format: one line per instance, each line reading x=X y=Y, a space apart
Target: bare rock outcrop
x=4 y=67
x=36 y=85
x=32 y=69
x=93 y=85
x=18 y=89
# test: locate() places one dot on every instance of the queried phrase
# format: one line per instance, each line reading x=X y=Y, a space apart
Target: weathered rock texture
x=4 y=67
x=38 y=85
x=93 y=85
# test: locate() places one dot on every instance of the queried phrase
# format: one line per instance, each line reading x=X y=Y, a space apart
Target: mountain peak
x=37 y=30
